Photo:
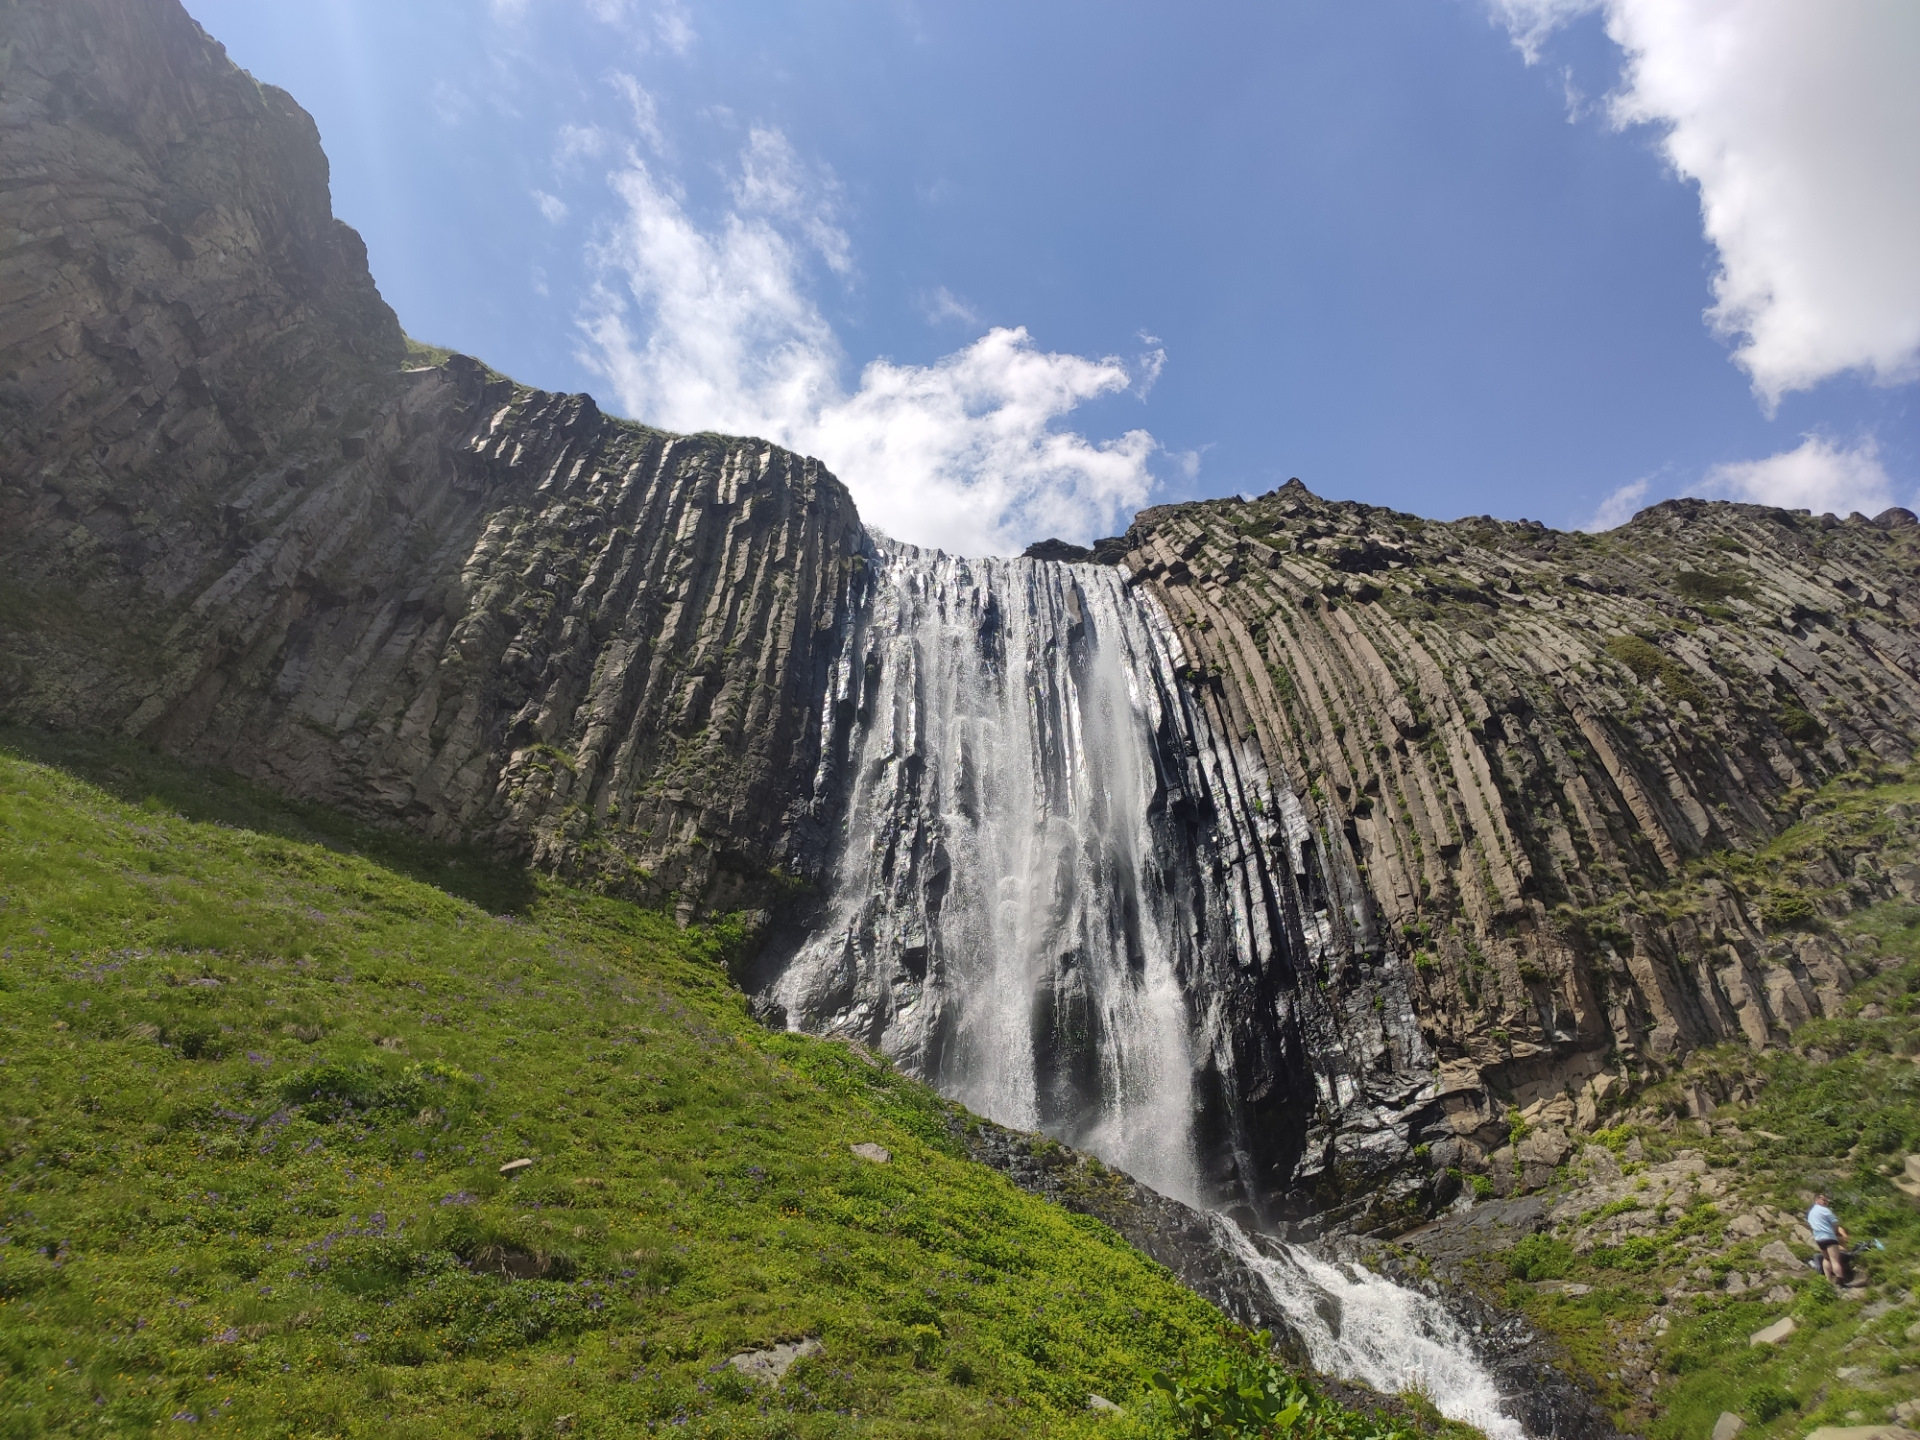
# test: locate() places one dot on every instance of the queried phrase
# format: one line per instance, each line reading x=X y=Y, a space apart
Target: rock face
x=242 y=519
x=232 y=524
x=1508 y=736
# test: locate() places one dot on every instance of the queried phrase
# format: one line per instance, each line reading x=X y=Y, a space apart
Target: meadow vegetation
x=261 y=1069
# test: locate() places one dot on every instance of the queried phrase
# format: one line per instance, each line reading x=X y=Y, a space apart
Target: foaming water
x=1359 y=1326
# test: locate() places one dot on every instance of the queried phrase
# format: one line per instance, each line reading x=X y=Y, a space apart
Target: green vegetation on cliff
x=260 y=1078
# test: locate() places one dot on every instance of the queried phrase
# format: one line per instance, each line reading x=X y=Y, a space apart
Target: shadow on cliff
x=140 y=775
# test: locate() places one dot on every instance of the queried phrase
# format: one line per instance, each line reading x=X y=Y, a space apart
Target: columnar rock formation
x=1512 y=735
x=233 y=524
x=240 y=517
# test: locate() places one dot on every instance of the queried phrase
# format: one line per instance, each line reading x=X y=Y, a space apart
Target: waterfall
x=1013 y=915
x=1360 y=1326
x=1067 y=899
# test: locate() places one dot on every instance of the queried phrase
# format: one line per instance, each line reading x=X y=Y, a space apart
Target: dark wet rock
x=1056 y=550
x=1486 y=1229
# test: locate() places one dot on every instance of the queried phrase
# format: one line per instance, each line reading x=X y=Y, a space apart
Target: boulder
x=867 y=1150
x=1776 y=1254
x=1727 y=1426
x=772 y=1363
x=1774 y=1333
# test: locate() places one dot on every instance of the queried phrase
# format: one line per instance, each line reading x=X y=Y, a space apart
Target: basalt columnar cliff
x=1439 y=769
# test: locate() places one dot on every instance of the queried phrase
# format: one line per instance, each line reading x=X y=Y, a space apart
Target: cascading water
x=1359 y=1326
x=1067 y=900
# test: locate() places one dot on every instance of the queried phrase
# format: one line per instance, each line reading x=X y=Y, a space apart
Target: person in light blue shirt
x=1830 y=1235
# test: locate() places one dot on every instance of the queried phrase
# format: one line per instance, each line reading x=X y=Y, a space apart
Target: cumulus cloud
x=1618 y=508
x=1816 y=475
x=1797 y=122
x=713 y=328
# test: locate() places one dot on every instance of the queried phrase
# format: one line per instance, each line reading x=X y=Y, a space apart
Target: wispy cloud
x=644 y=110
x=1816 y=475
x=713 y=327
x=551 y=206
x=1618 y=508
x=943 y=305
x=1796 y=121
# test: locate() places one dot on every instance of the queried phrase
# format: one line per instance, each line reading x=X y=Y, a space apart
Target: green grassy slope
x=259 y=1077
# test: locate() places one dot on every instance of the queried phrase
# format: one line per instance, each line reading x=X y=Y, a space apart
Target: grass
x=259 y=1070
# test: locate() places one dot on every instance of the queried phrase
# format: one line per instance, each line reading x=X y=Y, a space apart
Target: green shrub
x=1797 y=725
x=1786 y=910
x=1707 y=585
x=1540 y=1257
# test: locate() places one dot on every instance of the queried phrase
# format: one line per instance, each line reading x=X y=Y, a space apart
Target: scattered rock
x=1736 y=1283
x=771 y=1364
x=1774 y=1333
x=1747 y=1226
x=1906 y=1412
x=1779 y=1295
x=1563 y=1287
x=1776 y=1253
x=867 y=1150
x=514 y=1167
x=1727 y=1426
x=1102 y=1405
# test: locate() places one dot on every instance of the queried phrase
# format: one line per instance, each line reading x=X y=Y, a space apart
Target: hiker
x=1830 y=1235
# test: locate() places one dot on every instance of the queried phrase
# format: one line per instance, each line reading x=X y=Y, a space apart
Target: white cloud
x=674 y=29
x=1618 y=508
x=1530 y=22
x=641 y=105
x=551 y=206
x=1816 y=475
x=713 y=329
x=575 y=143
x=1797 y=122
x=773 y=182
x=943 y=305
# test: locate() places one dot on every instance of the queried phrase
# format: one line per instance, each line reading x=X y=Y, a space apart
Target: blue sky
x=1016 y=269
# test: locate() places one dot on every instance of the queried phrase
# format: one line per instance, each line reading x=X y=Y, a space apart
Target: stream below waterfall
x=1053 y=872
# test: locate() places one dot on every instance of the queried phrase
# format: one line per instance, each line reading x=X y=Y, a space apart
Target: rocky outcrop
x=233 y=524
x=1508 y=738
